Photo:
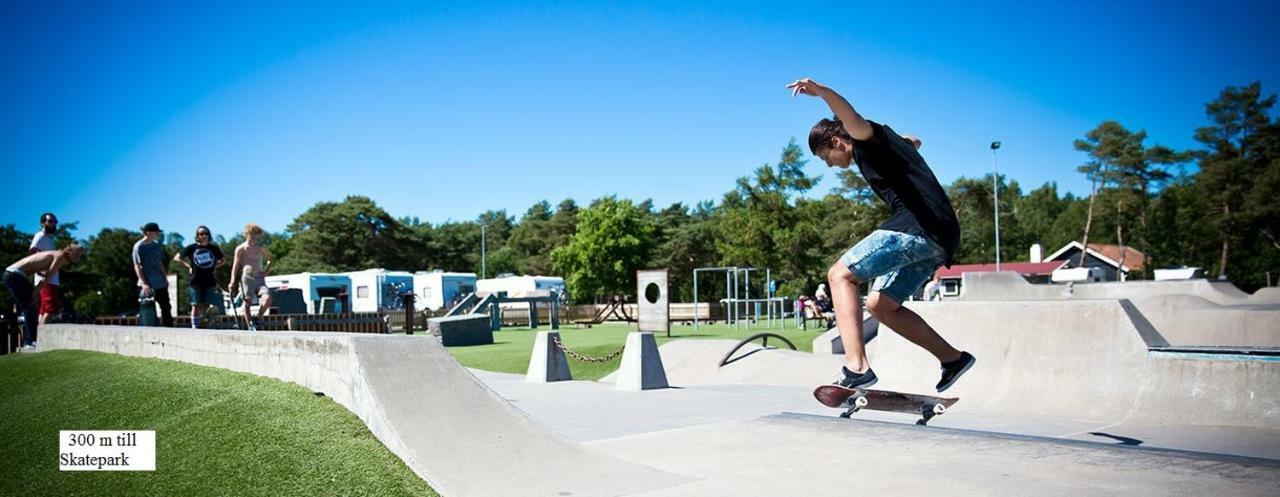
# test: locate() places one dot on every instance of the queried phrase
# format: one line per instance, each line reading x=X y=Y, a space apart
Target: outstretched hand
x=805 y=86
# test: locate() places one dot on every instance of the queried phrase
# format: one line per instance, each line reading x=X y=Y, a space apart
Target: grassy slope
x=512 y=346
x=217 y=432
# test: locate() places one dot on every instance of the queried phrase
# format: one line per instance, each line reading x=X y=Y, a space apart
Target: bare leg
x=911 y=326
x=844 y=297
x=263 y=305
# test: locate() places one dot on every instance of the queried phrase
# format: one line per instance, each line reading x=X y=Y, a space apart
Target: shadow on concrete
x=1119 y=439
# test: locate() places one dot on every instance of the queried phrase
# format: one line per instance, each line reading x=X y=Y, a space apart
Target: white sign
x=90 y=450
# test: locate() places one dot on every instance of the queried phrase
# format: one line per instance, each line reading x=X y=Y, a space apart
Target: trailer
x=321 y=292
x=379 y=289
x=437 y=289
x=520 y=286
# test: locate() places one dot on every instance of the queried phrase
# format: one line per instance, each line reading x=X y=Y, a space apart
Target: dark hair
x=47 y=215
x=205 y=229
x=822 y=133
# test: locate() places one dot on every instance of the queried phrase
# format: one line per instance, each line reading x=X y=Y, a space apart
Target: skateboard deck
x=856 y=399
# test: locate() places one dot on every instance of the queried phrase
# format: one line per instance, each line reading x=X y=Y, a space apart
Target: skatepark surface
x=1067 y=399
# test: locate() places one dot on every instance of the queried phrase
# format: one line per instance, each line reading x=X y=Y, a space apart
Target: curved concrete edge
x=447 y=426
x=1008 y=285
x=1084 y=360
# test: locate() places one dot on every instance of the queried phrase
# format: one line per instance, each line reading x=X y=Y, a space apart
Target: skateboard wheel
x=860 y=402
x=939 y=409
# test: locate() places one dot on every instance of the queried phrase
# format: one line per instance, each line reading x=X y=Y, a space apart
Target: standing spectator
x=43 y=242
x=48 y=262
x=201 y=258
x=801 y=305
x=250 y=266
x=149 y=264
x=933 y=289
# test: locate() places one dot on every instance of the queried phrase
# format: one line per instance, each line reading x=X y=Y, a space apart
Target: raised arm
x=854 y=123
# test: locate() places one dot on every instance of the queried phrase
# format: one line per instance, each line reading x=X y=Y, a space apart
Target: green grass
x=512 y=346
x=217 y=432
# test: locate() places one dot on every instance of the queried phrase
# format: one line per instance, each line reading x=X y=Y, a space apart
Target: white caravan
x=319 y=290
x=378 y=289
x=436 y=289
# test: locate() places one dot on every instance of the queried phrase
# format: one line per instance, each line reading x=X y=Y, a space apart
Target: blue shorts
x=901 y=263
x=203 y=296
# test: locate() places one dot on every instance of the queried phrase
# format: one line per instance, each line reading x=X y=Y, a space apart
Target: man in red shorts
x=42 y=242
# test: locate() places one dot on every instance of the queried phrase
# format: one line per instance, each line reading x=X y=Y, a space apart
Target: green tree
x=455 y=246
x=760 y=226
x=685 y=240
x=1120 y=163
x=1240 y=149
x=108 y=263
x=611 y=242
x=350 y=235
x=974 y=203
x=529 y=240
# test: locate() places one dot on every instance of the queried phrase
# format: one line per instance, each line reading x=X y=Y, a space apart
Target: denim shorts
x=900 y=262
x=197 y=295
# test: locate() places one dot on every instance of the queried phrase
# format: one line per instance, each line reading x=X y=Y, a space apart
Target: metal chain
x=584 y=358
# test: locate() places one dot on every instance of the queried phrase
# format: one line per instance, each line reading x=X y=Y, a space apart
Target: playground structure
x=492 y=305
x=615 y=308
x=738 y=299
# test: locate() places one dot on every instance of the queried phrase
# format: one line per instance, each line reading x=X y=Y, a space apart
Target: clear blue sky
x=218 y=113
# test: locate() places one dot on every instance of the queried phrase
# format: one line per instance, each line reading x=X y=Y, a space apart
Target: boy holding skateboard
x=921 y=234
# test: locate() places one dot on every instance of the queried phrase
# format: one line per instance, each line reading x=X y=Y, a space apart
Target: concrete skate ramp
x=1010 y=286
x=1080 y=360
x=1268 y=295
x=449 y=428
x=1187 y=313
x=1187 y=320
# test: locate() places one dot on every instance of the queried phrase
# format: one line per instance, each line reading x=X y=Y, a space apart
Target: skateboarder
x=921 y=234
x=249 y=269
x=49 y=263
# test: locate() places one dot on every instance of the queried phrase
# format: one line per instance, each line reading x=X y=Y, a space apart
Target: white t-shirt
x=42 y=242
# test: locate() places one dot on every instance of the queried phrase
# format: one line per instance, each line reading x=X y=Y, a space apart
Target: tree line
x=1213 y=207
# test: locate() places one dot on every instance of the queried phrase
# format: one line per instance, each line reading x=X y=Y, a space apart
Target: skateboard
x=856 y=399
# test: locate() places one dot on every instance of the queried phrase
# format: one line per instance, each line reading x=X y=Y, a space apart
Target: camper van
x=520 y=286
x=321 y=293
x=378 y=289
x=436 y=289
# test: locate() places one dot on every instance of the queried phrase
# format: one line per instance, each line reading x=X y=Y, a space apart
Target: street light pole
x=996 y=188
x=484 y=270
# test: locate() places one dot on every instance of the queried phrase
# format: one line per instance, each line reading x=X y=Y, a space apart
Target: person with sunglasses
x=201 y=259
x=43 y=242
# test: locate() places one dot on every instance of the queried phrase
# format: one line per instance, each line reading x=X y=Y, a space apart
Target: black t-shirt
x=203 y=258
x=899 y=176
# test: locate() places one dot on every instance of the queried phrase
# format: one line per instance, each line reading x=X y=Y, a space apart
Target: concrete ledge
x=446 y=425
x=470 y=329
